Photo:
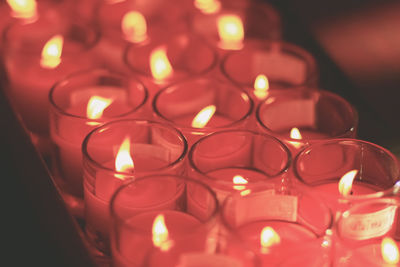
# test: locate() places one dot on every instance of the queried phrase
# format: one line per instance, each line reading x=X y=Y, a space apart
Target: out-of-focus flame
x=390 y=251
x=268 y=238
x=160 y=233
x=23 y=9
x=134 y=27
x=208 y=6
x=96 y=106
x=346 y=182
x=203 y=117
x=261 y=86
x=159 y=64
x=123 y=160
x=295 y=134
x=239 y=182
x=231 y=32
x=51 y=53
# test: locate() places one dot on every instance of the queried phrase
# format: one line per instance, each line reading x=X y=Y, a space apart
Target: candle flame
x=268 y=238
x=203 y=117
x=96 y=106
x=51 y=53
x=346 y=182
x=208 y=6
x=261 y=86
x=123 y=160
x=23 y=9
x=134 y=27
x=159 y=64
x=295 y=134
x=231 y=32
x=390 y=251
x=239 y=182
x=160 y=233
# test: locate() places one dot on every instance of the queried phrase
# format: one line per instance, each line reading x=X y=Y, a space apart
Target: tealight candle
x=200 y=106
x=36 y=56
x=120 y=151
x=82 y=102
x=347 y=171
x=300 y=117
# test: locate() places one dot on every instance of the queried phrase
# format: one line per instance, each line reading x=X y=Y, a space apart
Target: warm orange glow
x=231 y=32
x=390 y=251
x=134 y=27
x=123 y=160
x=23 y=9
x=203 y=117
x=208 y=6
x=239 y=182
x=261 y=86
x=160 y=233
x=268 y=238
x=346 y=182
x=96 y=106
x=51 y=53
x=159 y=64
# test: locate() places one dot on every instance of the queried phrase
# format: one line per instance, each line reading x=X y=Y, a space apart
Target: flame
x=23 y=9
x=96 y=106
x=203 y=117
x=261 y=86
x=346 y=182
x=231 y=33
x=239 y=182
x=51 y=53
x=208 y=6
x=390 y=251
x=159 y=64
x=160 y=233
x=134 y=27
x=123 y=160
x=295 y=134
x=268 y=238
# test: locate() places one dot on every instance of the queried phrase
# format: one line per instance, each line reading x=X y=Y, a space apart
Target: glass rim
x=209 y=178
x=257 y=188
x=261 y=45
x=86 y=155
x=274 y=93
x=338 y=141
x=192 y=36
x=206 y=128
x=115 y=216
x=95 y=71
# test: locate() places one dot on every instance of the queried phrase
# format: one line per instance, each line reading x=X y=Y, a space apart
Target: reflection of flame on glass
x=23 y=9
x=160 y=234
x=295 y=134
x=261 y=86
x=346 y=182
x=134 y=27
x=123 y=160
x=96 y=106
x=239 y=182
x=231 y=32
x=268 y=238
x=208 y=6
x=390 y=251
x=159 y=64
x=203 y=117
x=51 y=53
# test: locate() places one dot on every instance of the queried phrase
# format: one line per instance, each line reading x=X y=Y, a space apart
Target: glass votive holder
x=80 y=103
x=200 y=106
x=346 y=171
x=170 y=60
x=268 y=65
x=119 y=151
x=369 y=234
x=302 y=117
x=38 y=54
x=276 y=223
x=152 y=224
x=229 y=161
x=229 y=23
